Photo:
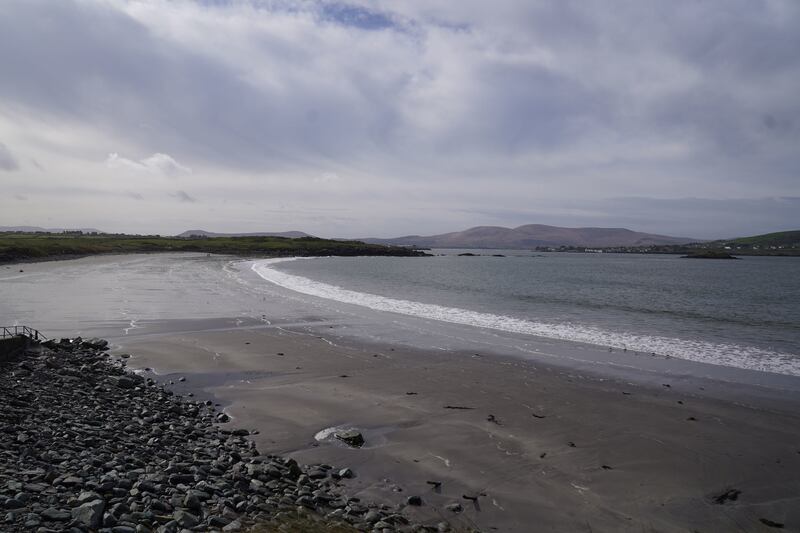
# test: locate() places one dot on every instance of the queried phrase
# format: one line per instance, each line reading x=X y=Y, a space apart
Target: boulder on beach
x=56 y=515
x=90 y=514
x=351 y=437
x=414 y=500
x=185 y=519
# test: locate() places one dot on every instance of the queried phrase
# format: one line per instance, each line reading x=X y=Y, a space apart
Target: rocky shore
x=86 y=445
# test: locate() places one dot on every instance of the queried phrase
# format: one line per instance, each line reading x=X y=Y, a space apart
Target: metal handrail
x=24 y=331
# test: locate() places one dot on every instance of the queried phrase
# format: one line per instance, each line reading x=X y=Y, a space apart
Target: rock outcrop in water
x=709 y=254
x=86 y=445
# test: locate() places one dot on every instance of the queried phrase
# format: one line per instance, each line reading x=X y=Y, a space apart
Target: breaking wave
x=733 y=355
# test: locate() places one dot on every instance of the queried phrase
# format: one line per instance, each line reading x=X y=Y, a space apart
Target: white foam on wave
x=733 y=355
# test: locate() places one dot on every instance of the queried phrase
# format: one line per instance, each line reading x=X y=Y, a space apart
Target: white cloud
x=158 y=163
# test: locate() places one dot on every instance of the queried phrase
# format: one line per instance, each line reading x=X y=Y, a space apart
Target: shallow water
x=744 y=313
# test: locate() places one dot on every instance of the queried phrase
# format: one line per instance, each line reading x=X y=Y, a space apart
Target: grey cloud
x=194 y=104
x=523 y=107
x=183 y=196
x=7 y=160
x=743 y=66
x=727 y=124
x=202 y=105
x=302 y=116
x=748 y=37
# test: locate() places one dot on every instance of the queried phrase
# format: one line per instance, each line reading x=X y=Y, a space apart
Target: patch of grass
x=293 y=522
x=301 y=523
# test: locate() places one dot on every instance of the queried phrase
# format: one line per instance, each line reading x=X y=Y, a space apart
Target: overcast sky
x=390 y=117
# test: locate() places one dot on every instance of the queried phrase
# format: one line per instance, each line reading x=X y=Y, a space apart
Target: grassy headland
x=784 y=243
x=19 y=247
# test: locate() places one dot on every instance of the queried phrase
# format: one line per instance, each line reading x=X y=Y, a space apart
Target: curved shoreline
x=735 y=356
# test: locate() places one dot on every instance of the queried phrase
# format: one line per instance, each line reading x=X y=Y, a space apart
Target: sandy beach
x=534 y=447
x=538 y=434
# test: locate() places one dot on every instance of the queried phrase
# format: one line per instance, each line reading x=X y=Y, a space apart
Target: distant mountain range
x=532 y=235
x=203 y=233
x=35 y=229
x=526 y=237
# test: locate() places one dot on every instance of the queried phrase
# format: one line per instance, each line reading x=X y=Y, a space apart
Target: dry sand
x=542 y=448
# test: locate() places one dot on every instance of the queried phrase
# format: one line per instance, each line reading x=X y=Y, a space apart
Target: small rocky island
x=709 y=254
x=86 y=445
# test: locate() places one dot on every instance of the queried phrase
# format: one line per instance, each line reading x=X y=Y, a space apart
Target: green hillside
x=31 y=247
x=785 y=239
x=784 y=243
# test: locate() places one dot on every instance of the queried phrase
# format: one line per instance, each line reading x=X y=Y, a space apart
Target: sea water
x=743 y=314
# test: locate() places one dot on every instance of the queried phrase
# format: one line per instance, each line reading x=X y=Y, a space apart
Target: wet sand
x=542 y=448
